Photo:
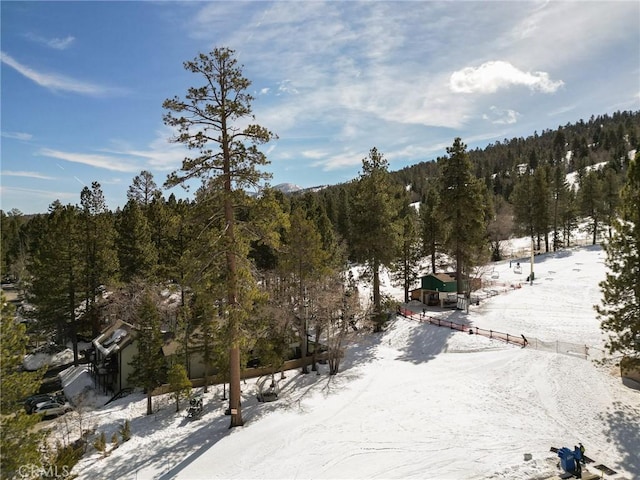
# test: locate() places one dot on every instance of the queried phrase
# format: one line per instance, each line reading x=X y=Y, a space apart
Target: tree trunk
x=555 y=223
x=232 y=291
x=459 y=271
x=73 y=325
x=314 y=366
x=377 y=303
x=149 y=404
x=406 y=277
x=304 y=320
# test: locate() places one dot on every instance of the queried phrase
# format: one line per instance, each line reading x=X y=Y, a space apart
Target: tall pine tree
x=303 y=260
x=430 y=223
x=212 y=120
x=149 y=367
x=20 y=441
x=591 y=202
x=620 y=308
x=136 y=252
x=99 y=256
x=465 y=210
x=405 y=269
x=57 y=288
x=375 y=234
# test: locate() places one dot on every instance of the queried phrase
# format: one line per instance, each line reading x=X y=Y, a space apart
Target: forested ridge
x=255 y=274
x=524 y=179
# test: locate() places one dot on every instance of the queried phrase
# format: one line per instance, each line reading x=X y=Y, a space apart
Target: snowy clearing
x=416 y=401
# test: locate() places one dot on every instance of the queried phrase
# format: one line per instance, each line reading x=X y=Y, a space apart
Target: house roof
x=443 y=277
x=115 y=337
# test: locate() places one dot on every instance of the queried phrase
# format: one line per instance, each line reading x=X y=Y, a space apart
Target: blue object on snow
x=567 y=459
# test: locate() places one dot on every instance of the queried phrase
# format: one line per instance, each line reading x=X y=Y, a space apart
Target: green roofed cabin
x=435 y=287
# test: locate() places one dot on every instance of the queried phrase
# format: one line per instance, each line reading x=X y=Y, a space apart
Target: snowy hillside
x=416 y=401
x=287 y=187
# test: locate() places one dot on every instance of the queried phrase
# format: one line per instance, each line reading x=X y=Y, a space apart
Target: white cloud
x=9 y=173
x=341 y=160
x=61 y=43
x=286 y=86
x=56 y=43
x=57 y=82
x=17 y=135
x=314 y=154
x=494 y=75
x=499 y=116
x=558 y=33
x=98 y=161
x=20 y=192
x=160 y=154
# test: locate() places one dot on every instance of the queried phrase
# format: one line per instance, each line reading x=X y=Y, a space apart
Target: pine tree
x=205 y=320
x=303 y=260
x=570 y=216
x=136 y=252
x=115 y=442
x=521 y=199
x=375 y=237
x=125 y=431
x=465 y=210
x=13 y=251
x=179 y=382
x=149 y=363
x=611 y=197
x=405 y=268
x=559 y=194
x=20 y=441
x=99 y=252
x=430 y=223
x=540 y=198
x=212 y=116
x=620 y=308
x=500 y=227
x=57 y=287
x=591 y=202
x=100 y=444
x=143 y=189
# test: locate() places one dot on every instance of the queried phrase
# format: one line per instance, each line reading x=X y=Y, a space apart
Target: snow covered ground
x=416 y=401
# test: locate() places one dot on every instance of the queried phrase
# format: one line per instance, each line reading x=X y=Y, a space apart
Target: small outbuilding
x=440 y=288
x=433 y=285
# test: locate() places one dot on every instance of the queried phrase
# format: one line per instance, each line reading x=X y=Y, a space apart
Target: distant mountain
x=287 y=187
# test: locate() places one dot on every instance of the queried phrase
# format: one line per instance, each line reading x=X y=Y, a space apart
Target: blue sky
x=83 y=82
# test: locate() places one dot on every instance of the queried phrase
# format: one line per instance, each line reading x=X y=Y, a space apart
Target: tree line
x=256 y=273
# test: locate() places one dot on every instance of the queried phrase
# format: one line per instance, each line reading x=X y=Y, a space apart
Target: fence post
x=507 y=338
x=490 y=333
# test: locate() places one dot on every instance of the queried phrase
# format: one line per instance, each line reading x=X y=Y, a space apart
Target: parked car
x=31 y=402
x=52 y=408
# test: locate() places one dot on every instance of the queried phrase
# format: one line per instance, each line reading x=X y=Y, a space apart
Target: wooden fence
x=557 y=346
x=247 y=373
x=505 y=337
